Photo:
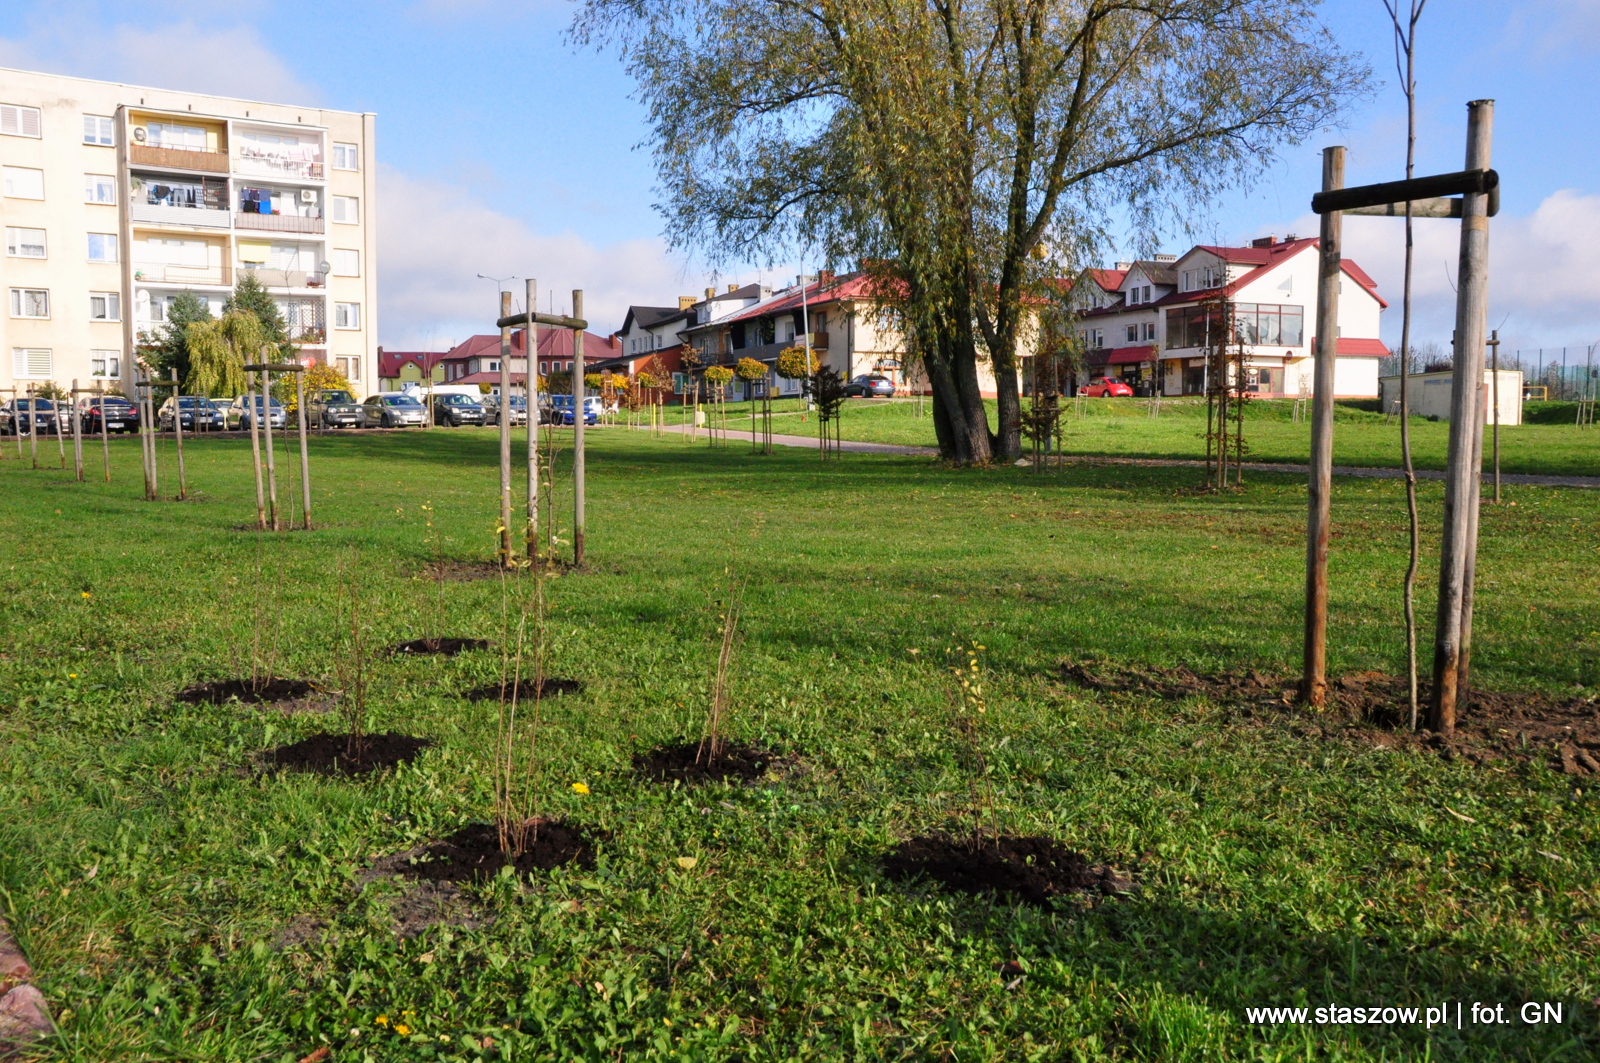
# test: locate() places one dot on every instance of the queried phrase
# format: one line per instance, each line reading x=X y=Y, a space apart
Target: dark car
x=871 y=386
x=22 y=416
x=196 y=414
x=335 y=408
x=121 y=415
x=394 y=409
x=1106 y=387
x=239 y=413
x=456 y=410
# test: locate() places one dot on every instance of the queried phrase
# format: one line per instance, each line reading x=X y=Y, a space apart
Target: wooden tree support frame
x=262 y=410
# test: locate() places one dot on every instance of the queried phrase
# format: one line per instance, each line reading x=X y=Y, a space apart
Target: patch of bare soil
x=420 y=906
x=524 y=689
x=1030 y=868
x=1371 y=708
x=437 y=647
x=335 y=754
x=474 y=853
x=455 y=571
x=691 y=762
x=265 y=690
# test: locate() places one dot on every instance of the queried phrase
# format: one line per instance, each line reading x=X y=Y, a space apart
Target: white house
x=1156 y=333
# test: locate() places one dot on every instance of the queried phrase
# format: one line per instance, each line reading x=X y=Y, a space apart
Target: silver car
x=394 y=409
x=491 y=409
x=240 y=413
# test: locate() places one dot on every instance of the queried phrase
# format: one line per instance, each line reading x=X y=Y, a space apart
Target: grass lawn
x=1123 y=428
x=179 y=905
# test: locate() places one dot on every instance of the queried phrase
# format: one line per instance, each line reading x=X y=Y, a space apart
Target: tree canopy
x=971 y=153
x=168 y=348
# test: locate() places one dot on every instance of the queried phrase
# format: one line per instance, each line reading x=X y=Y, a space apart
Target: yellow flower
x=381 y=1020
x=72 y=675
x=579 y=788
x=403 y=1030
x=86 y=594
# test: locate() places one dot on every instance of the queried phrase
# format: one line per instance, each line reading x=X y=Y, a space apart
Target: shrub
x=750 y=370
x=794 y=364
x=718 y=374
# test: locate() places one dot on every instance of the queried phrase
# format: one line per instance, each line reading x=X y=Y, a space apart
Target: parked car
x=870 y=386
x=240 y=413
x=22 y=416
x=221 y=405
x=559 y=410
x=457 y=410
x=1105 y=387
x=121 y=415
x=491 y=409
x=335 y=408
x=394 y=409
x=196 y=415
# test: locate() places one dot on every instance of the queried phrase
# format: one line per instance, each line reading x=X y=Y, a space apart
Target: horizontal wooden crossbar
x=1418 y=189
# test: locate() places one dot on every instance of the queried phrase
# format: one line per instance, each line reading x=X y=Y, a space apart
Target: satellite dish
x=139 y=133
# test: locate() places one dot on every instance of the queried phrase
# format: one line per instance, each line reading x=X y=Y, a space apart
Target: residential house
x=117 y=199
x=398 y=369
x=656 y=328
x=1150 y=323
x=477 y=359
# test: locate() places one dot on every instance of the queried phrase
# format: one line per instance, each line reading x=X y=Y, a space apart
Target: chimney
x=685 y=302
x=1265 y=241
x=824 y=277
x=732 y=288
x=711 y=293
x=1291 y=238
x=1124 y=265
x=1165 y=258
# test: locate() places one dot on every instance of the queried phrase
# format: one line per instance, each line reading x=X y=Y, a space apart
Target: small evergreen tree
x=168 y=348
x=251 y=297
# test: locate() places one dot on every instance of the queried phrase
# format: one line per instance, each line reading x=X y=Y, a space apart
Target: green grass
x=1123 y=428
x=150 y=874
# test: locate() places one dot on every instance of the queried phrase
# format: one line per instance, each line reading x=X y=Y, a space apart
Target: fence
x=1570 y=373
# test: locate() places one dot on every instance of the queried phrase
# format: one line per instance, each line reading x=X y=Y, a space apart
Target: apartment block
x=115 y=199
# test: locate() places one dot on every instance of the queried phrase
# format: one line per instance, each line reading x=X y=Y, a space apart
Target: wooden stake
x=305 y=457
x=264 y=414
x=1464 y=474
x=531 y=338
x=105 y=437
x=77 y=434
x=577 y=432
x=1494 y=373
x=1314 y=682
x=255 y=448
x=505 y=432
x=177 y=428
x=33 y=426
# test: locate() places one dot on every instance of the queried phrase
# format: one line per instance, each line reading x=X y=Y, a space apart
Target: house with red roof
x=397 y=369
x=476 y=360
x=1151 y=323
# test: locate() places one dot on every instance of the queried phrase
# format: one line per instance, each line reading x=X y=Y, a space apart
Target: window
x=347 y=315
x=16 y=121
x=346 y=263
x=346 y=210
x=24 y=243
x=99 y=130
x=1149 y=330
x=21 y=182
x=494 y=366
x=1133 y=333
x=351 y=368
x=1267 y=323
x=99 y=188
x=1195 y=280
x=345 y=157
x=30 y=302
x=105 y=364
x=1093 y=338
x=1133 y=296
x=31 y=363
x=102 y=247
x=105 y=306
x=182 y=137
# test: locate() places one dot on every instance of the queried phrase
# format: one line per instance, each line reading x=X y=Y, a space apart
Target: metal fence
x=1568 y=373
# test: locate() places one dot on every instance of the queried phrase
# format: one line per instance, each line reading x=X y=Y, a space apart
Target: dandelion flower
x=381 y=1020
x=579 y=788
x=86 y=594
x=403 y=1030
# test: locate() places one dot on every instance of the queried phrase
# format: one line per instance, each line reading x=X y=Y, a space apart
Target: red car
x=1105 y=387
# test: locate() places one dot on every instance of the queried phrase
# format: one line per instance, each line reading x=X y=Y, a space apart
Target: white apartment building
x=115 y=199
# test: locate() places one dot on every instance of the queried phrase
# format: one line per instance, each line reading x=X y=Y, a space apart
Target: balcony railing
x=278 y=223
x=186 y=275
x=285 y=278
x=160 y=214
x=178 y=158
x=260 y=163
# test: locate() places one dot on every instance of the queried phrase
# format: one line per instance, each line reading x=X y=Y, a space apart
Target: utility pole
x=577 y=432
x=1464 y=464
x=1314 y=682
x=530 y=338
x=1494 y=373
x=504 y=408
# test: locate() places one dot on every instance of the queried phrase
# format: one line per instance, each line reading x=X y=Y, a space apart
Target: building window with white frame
x=103 y=247
x=19 y=121
x=24 y=243
x=100 y=130
x=346 y=156
x=32 y=363
x=105 y=306
x=22 y=182
x=105 y=365
x=100 y=188
x=351 y=368
x=30 y=302
x=346 y=263
x=346 y=210
x=347 y=315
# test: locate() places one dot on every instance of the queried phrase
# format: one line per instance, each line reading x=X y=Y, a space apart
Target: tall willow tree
x=219 y=351
x=966 y=151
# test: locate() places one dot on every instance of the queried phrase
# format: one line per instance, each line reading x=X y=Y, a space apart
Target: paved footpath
x=856 y=447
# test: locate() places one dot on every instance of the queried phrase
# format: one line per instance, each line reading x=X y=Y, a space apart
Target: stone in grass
x=24 y=1018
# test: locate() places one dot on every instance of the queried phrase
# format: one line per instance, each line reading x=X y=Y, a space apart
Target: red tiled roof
x=855 y=286
x=1131 y=355
x=390 y=362
x=1109 y=279
x=1264 y=259
x=1355 y=347
x=553 y=343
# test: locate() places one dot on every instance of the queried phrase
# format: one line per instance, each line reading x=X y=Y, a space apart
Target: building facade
x=116 y=199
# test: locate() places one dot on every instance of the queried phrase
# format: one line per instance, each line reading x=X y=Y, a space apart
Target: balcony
x=291 y=163
x=178 y=158
x=278 y=223
x=158 y=273
x=158 y=214
x=285 y=278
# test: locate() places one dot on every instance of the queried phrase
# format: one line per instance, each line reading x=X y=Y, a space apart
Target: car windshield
x=401 y=400
x=276 y=405
x=111 y=404
x=337 y=396
x=458 y=400
x=37 y=404
x=191 y=402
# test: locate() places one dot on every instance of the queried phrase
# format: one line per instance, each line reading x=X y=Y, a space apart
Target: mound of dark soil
x=1030 y=868
x=523 y=689
x=690 y=762
x=330 y=754
x=473 y=852
x=1372 y=708
x=250 y=691
x=454 y=571
x=437 y=647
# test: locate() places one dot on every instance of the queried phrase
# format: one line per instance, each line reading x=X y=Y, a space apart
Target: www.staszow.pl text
x=1458 y=1014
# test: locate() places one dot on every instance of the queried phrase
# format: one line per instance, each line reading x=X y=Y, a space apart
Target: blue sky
x=505 y=151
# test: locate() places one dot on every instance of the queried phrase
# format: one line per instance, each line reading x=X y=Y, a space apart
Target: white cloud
x=435 y=238
x=183 y=56
x=1542 y=270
